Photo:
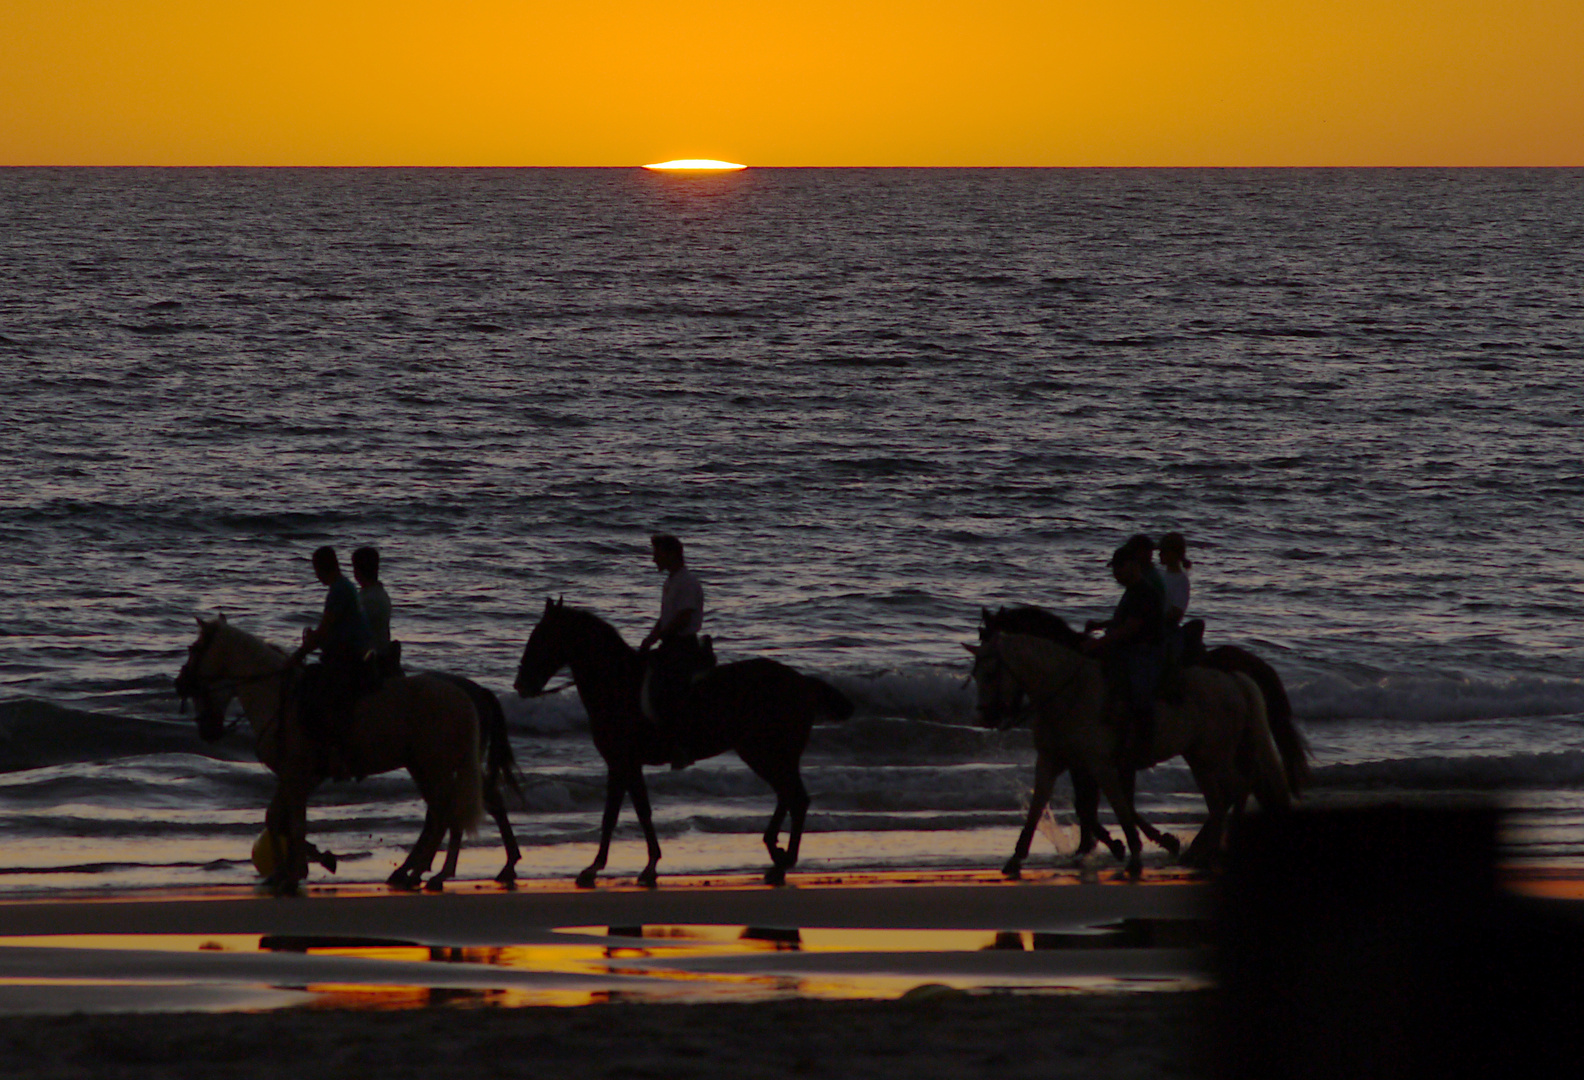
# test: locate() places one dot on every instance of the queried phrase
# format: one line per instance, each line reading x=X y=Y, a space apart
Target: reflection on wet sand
x=684 y=962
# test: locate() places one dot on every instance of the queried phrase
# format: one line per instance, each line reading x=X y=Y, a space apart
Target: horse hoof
x=1135 y=869
x=1118 y=849
x=1171 y=844
x=649 y=879
x=1012 y=871
x=434 y=885
x=776 y=875
x=585 y=880
x=507 y=877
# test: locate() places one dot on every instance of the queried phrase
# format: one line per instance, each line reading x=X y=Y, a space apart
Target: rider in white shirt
x=673 y=652
x=1188 y=637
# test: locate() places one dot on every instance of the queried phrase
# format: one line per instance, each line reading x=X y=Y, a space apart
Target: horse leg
x=1151 y=833
x=288 y=817
x=791 y=798
x=421 y=858
x=1086 y=804
x=447 y=868
x=497 y=810
x=615 y=792
x=1208 y=839
x=1119 y=795
x=1045 y=773
x=649 y=877
x=772 y=833
x=407 y=875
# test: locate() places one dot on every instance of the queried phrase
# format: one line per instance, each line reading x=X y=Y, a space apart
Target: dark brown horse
x=759 y=708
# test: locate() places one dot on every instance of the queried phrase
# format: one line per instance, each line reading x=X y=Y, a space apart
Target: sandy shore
x=725 y=940
x=1118 y=1037
x=934 y=975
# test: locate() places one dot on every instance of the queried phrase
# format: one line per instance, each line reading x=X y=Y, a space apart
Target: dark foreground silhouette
x=759 y=708
x=1377 y=942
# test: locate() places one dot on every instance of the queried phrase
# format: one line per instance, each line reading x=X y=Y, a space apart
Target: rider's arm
x=665 y=630
x=1117 y=632
x=315 y=636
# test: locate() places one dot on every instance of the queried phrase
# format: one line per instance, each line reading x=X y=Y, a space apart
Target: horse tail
x=830 y=703
x=1278 y=710
x=500 y=764
x=1259 y=752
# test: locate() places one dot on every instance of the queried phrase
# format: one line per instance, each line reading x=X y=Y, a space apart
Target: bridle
x=189 y=684
x=1002 y=717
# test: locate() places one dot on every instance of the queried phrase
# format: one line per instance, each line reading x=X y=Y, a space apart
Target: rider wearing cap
x=1131 y=647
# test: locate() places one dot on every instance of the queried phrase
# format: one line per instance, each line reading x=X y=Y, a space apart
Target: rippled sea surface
x=869 y=401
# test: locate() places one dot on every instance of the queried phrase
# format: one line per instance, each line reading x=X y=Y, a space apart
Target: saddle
x=668 y=676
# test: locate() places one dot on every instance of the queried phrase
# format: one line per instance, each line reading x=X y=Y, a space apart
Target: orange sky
x=851 y=82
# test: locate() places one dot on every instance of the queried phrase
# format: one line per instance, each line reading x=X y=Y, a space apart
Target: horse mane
x=1033 y=621
x=591 y=623
x=252 y=642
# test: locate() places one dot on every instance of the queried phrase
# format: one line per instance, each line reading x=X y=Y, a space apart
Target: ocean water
x=869 y=401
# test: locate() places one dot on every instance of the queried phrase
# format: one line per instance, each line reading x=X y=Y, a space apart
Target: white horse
x=423 y=723
x=1219 y=727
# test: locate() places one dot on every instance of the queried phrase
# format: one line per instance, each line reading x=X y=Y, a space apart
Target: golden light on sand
x=696 y=165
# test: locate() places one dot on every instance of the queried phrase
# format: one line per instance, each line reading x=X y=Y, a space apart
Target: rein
x=234 y=683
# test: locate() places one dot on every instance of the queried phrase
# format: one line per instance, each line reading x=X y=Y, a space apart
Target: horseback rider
x=1185 y=639
x=1131 y=647
x=672 y=652
x=330 y=688
x=376 y=605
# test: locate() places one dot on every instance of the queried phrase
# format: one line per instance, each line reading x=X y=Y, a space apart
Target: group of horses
x=1230 y=721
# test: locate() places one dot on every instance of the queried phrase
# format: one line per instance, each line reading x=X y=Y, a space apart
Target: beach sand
x=892 y=976
x=1114 y=1036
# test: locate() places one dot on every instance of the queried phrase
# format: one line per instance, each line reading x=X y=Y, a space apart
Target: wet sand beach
x=884 y=975
x=1117 y=1036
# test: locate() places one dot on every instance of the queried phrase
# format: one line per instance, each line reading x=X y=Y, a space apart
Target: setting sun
x=697 y=165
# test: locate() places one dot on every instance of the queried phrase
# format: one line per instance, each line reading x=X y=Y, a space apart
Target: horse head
x=1000 y=697
x=546 y=653
x=203 y=677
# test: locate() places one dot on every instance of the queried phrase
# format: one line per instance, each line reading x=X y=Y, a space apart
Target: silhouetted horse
x=1228 y=658
x=422 y=723
x=1218 y=725
x=761 y=709
x=1050 y=764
